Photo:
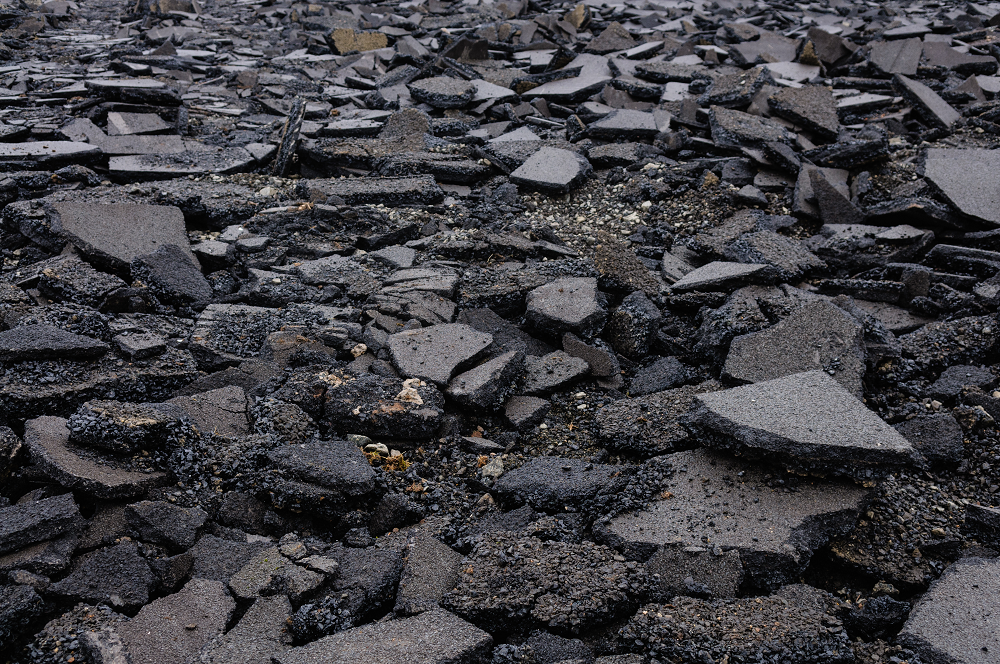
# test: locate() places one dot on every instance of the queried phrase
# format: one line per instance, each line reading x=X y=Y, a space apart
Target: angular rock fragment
x=552 y=170
x=820 y=335
x=160 y=522
x=898 y=56
x=786 y=257
x=806 y=421
x=28 y=523
x=526 y=412
x=487 y=386
x=435 y=353
x=624 y=123
x=723 y=276
x=647 y=425
x=597 y=589
x=962 y=177
x=553 y=483
x=162 y=166
x=663 y=374
x=121 y=427
x=222 y=411
x=260 y=634
x=552 y=372
x=47 y=439
x=953 y=379
x=174 y=629
x=633 y=325
x=20 y=605
x=813 y=107
x=442 y=91
x=732 y=128
x=35 y=342
x=116 y=575
x=935 y=110
x=708 y=502
x=117 y=233
x=271 y=573
x=377 y=406
x=338 y=467
x=434 y=637
x=955 y=620
x=171 y=274
x=572 y=304
x=797 y=616
x=431 y=570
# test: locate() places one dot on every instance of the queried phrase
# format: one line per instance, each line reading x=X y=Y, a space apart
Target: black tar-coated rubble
x=499 y=332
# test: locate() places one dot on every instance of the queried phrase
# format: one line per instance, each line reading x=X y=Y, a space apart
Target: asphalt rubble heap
x=499 y=332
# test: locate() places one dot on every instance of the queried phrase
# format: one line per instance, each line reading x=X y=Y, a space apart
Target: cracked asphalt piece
x=763 y=420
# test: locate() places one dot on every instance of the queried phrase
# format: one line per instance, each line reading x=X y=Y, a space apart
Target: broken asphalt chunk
x=768 y=420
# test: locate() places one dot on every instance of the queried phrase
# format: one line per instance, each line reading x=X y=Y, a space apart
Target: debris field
x=499 y=332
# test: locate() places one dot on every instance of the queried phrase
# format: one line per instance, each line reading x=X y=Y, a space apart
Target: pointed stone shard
x=934 y=110
x=806 y=422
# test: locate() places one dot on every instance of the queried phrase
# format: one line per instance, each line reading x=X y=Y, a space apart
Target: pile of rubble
x=499 y=332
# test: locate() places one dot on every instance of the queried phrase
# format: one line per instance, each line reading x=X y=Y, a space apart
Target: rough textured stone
x=572 y=304
x=525 y=412
x=120 y=233
x=117 y=576
x=901 y=56
x=722 y=276
x=663 y=374
x=552 y=372
x=709 y=502
x=963 y=178
x=956 y=619
x=820 y=335
x=766 y=420
x=935 y=110
x=594 y=588
x=172 y=275
x=174 y=629
x=732 y=128
x=28 y=523
x=695 y=571
x=435 y=353
x=798 y=623
x=260 y=634
x=442 y=91
x=648 y=425
x=431 y=571
x=48 y=443
x=44 y=342
x=551 y=483
x=487 y=386
x=634 y=325
x=433 y=637
x=552 y=170
x=163 y=523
